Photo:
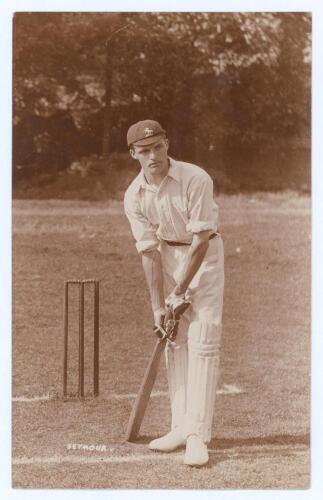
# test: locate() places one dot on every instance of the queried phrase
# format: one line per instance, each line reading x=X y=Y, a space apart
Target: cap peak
x=141 y=133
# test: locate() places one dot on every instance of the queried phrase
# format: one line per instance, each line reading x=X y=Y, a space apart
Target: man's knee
x=204 y=333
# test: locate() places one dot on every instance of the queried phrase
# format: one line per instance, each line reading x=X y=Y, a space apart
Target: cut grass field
x=261 y=425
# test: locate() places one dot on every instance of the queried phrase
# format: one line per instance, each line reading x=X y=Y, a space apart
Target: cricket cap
x=144 y=132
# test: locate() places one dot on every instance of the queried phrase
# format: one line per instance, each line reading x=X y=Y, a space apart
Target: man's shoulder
x=133 y=187
x=188 y=171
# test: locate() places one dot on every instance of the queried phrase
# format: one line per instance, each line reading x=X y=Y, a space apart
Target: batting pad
x=203 y=374
x=176 y=364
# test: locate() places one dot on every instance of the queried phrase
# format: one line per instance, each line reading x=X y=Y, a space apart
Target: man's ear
x=167 y=143
x=133 y=153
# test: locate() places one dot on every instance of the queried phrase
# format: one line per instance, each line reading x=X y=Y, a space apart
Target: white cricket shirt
x=183 y=204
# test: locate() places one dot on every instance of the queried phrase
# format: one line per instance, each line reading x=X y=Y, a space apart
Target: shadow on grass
x=284 y=439
x=226 y=444
x=223 y=447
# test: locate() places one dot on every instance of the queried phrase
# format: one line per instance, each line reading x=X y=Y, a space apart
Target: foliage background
x=233 y=91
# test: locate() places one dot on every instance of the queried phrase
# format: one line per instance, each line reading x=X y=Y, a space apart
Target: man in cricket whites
x=174 y=221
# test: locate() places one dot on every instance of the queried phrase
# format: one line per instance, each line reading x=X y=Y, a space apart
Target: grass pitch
x=261 y=429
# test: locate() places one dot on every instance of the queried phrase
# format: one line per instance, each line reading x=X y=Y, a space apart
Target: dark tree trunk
x=107 y=116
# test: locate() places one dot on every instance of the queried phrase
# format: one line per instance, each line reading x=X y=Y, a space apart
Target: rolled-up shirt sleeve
x=143 y=231
x=202 y=209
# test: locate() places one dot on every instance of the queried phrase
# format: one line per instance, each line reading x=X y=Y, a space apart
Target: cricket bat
x=142 y=399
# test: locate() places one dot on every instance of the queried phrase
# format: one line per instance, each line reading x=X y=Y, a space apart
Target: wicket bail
x=81 y=285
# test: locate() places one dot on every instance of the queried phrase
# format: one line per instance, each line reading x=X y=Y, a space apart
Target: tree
x=213 y=79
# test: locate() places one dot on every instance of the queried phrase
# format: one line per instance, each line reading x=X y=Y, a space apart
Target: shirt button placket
x=171 y=232
x=162 y=212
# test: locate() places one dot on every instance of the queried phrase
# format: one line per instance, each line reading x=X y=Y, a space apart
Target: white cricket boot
x=176 y=365
x=170 y=442
x=196 y=453
x=203 y=373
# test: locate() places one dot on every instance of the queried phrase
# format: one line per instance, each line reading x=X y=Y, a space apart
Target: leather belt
x=178 y=243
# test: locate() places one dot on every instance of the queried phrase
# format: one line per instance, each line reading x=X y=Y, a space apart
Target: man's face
x=152 y=158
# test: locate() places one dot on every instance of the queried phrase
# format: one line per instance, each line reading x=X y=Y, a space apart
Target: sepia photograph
x=161 y=250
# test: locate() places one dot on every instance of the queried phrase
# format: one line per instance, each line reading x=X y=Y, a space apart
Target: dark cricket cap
x=144 y=132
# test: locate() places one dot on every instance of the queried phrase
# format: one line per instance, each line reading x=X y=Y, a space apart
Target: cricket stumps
x=81 y=284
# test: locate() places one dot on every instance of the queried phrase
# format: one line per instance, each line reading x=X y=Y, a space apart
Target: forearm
x=195 y=257
x=152 y=265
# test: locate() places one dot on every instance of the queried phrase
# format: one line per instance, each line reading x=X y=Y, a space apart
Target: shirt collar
x=173 y=172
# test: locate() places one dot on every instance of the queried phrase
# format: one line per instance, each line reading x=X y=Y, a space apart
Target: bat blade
x=142 y=399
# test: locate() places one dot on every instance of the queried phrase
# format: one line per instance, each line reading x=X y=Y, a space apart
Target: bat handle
x=160 y=332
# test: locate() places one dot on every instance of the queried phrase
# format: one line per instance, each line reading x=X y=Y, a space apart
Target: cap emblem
x=148 y=132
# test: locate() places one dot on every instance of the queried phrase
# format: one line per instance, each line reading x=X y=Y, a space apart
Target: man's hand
x=159 y=317
x=159 y=322
x=173 y=316
x=167 y=322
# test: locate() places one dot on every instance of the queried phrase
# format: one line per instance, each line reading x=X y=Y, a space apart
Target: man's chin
x=155 y=170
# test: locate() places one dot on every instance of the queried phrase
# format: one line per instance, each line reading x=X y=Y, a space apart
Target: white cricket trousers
x=193 y=363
